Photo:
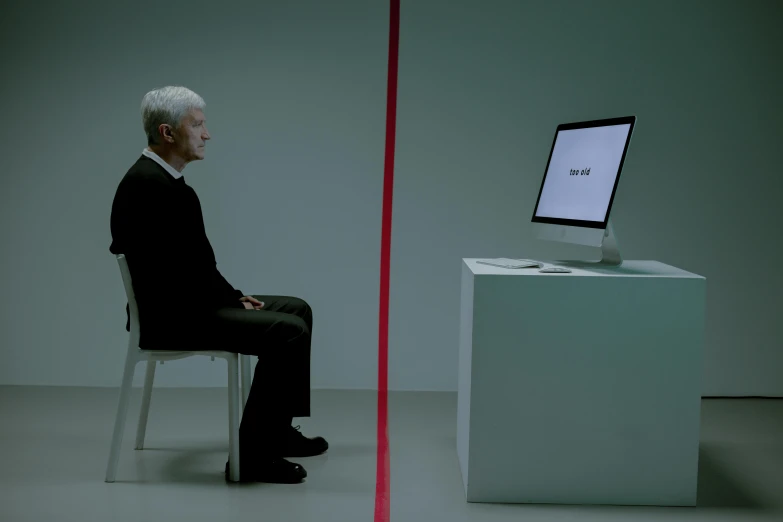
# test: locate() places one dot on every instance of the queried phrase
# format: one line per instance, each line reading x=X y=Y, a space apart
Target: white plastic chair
x=136 y=355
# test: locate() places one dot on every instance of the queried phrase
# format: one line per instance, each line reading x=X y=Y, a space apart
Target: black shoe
x=273 y=470
x=294 y=444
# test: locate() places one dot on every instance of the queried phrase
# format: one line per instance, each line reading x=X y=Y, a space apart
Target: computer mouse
x=554 y=270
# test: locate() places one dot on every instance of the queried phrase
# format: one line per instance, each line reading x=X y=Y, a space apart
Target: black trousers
x=279 y=334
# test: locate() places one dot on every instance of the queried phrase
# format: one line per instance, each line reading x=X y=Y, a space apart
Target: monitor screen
x=582 y=172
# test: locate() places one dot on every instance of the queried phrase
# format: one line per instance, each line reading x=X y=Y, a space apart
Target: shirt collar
x=160 y=161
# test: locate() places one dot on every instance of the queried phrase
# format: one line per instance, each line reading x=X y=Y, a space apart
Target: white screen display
x=580 y=178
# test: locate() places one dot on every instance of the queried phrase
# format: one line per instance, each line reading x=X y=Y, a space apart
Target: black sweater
x=156 y=221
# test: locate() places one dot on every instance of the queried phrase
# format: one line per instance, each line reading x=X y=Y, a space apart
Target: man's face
x=192 y=136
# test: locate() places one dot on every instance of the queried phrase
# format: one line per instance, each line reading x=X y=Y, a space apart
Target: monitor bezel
x=585 y=125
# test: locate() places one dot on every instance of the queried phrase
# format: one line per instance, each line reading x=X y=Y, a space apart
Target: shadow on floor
x=196 y=466
x=718 y=486
x=179 y=465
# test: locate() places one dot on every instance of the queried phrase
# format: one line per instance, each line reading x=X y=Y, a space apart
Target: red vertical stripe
x=382 y=465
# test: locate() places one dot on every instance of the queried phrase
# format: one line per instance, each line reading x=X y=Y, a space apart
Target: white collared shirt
x=160 y=161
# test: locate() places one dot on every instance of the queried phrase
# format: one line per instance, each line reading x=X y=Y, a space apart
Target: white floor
x=54 y=444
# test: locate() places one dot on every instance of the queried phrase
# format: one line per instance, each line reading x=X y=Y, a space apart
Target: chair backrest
x=128 y=283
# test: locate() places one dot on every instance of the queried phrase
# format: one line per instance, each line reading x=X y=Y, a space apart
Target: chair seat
x=174 y=354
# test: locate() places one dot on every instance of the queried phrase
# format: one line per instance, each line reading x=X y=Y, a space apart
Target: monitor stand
x=610 y=252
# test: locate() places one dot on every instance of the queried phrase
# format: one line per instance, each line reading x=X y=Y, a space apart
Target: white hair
x=167 y=105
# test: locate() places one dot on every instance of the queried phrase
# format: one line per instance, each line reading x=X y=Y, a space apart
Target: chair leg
x=122 y=412
x=233 y=418
x=146 y=396
x=244 y=363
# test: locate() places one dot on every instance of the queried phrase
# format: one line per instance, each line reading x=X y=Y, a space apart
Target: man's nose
x=206 y=135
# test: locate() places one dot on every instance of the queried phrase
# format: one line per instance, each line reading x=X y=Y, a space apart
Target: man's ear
x=166 y=132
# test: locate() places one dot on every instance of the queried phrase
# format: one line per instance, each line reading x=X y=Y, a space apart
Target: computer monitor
x=580 y=182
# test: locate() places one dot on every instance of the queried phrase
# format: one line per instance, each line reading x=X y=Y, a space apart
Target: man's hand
x=251 y=303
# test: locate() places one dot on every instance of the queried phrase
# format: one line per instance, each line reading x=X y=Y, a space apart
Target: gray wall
x=482 y=87
x=291 y=187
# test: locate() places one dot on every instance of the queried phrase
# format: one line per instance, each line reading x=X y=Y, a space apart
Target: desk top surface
x=585 y=269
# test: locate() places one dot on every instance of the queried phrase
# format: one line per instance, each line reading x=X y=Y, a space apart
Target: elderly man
x=186 y=304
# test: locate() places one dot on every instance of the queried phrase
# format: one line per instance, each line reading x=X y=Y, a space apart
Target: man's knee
x=303 y=310
x=303 y=306
x=308 y=316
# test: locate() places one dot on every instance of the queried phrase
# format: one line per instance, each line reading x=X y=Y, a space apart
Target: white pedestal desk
x=580 y=388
